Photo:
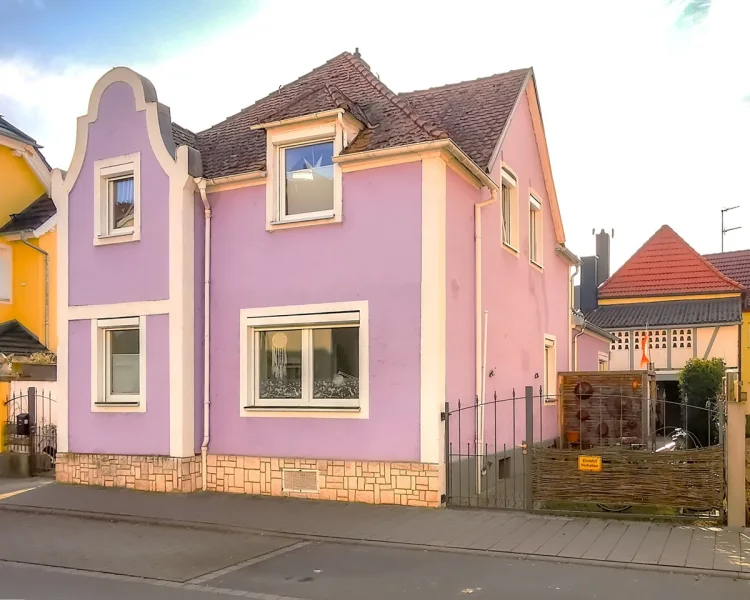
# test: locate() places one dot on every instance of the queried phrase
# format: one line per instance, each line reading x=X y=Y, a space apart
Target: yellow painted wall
x=745 y=357
x=27 y=296
x=19 y=186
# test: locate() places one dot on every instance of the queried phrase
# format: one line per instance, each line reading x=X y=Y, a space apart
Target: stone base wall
x=148 y=473
x=411 y=484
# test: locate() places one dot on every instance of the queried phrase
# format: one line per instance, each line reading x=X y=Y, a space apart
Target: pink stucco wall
x=373 y=255
x=460 y=293
x=119 y=433
x=588 y=348
x=524 y=303
x=128 y=272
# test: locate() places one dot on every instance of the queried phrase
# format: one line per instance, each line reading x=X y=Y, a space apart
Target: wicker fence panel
x=679 y=479
x=610 y=414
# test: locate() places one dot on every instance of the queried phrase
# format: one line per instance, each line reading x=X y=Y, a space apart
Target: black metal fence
x=655 y=457
x=31 y=429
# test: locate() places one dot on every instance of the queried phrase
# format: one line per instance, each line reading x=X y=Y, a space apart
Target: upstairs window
x=117 y=199
x=306 y=190
x=535 y=231
x=509 y=210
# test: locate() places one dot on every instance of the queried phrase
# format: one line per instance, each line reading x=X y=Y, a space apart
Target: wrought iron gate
x=488 y=463
x=31 y=429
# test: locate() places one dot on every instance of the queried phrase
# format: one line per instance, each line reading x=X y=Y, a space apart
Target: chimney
x=602 y=253
x=589 y=287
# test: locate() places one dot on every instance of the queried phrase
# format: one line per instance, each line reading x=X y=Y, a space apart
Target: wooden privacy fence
x=680 y=479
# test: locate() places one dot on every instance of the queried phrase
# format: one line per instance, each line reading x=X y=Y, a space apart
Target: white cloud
x=646 y=122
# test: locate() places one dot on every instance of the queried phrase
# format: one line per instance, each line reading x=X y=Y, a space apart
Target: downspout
x=46 y=286
x=481 y=357
x=201 y=183
x=575 y=345
x=572 y=362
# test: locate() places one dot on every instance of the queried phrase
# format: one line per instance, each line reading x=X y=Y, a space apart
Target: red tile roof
x=473 y=114
x=735 y=265
x=666 y=265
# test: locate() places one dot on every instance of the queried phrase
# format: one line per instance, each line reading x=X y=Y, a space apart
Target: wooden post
x=735 y=449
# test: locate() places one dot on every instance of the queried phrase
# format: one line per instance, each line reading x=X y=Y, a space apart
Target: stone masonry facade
x=410 y=484
x=148 y=473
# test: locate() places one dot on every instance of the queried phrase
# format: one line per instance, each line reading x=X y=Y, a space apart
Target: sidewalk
x=695 y=549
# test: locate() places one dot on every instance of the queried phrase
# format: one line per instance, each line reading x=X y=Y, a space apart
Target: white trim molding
x=433 y=309
x=281 y=137
x=123 y=309
x=356 y=312
x=99 y=402
x=105 y=171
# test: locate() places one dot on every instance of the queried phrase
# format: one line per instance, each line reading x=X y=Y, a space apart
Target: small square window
x=307 y=183
x=117 y=200
x=509 y=210
x=118 y=369
x=6 y=273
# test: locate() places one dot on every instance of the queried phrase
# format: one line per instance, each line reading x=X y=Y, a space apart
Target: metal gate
x=604 y=444
x=488 y=463
x=30 y=429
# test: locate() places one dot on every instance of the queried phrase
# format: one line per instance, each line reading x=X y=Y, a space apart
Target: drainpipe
x=46 y=286
x=575 y=345
x=480 y=356
x=201 y=183
x=571 y=301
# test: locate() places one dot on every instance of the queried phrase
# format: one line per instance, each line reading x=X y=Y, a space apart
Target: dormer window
x=303 y=179
x=117 y=200
x=307 y=186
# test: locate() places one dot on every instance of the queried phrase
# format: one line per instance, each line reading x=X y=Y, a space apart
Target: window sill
x=536 y=265
x=104 y=239
x=304 y=222
x=136 y=403
x=511 y=249
x=313 y=412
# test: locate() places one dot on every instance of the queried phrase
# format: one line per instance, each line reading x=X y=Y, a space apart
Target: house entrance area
x=606 y=443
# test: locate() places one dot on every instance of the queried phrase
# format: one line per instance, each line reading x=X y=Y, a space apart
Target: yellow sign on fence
x=590 y=463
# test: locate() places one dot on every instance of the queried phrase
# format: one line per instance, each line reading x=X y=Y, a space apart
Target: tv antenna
x=724 y=231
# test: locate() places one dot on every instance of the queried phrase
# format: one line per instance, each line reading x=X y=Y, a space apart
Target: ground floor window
x=303 y=360
x=550 y=369
x=118 y=346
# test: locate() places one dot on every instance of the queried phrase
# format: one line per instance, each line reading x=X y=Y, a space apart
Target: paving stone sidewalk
x=612 y=542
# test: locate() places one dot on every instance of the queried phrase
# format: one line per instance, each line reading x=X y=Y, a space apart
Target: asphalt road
x=77 y=558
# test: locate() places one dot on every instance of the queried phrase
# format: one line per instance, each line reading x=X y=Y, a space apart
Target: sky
x=646 y=103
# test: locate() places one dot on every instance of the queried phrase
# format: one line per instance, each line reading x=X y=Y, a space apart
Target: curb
x=217 y=527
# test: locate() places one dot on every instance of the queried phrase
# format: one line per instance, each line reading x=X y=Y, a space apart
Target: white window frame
x=278 y=140
x=106 y=171
x=536 y=218
x=302 y=317
x=101 y=400
x=603 y=359
x=7 y=249
x=549 y=372
x=510 y=181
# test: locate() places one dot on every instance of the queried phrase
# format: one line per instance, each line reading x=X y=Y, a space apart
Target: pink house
x=283 y=304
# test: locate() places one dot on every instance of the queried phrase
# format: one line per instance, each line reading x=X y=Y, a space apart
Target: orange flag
x=644 y=358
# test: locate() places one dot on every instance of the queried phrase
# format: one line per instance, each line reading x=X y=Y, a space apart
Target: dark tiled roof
x=233 y=147
x=473 y=113
x=664 y=314
x=16 y=339
x=183 y=137
x=735 y=265
x=664 y=265
x=14 y=132
x=34 y=215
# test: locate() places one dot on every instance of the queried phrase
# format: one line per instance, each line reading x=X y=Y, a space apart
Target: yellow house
x=27 y=250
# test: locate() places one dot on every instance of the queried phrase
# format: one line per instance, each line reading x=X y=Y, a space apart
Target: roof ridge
x=430 y=128
x=183 y=128
x=276 y=91
x=16 y=130
x=716 y=254
x=465 y=82
x=703 y=259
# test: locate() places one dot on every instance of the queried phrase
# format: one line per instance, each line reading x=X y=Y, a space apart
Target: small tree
x=701 y=384
x=701 y=380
